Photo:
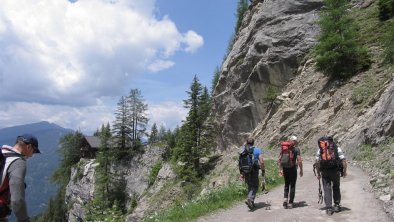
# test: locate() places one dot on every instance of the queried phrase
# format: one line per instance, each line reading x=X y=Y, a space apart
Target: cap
x=294 y=138
x=29 y=139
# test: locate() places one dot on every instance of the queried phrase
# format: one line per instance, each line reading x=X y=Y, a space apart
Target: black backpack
x=247 y=161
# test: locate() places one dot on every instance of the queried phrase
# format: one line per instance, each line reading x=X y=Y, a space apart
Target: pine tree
x=107 y=201
x=206 y=130
x=103 y=169
x=215 y=80
x=193 y=122
x=242 y=7
x=70 y=154
x=138 y=115
x=130 y=123
x=191 y=141
x=338 y=52
x=153 y=134
x=162 y=133
x=171 y=136
x=121 y=129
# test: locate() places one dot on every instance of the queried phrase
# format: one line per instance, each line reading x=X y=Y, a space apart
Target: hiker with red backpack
x=289 y=159
x=331 y=165
x=13 y=172
x=250 y=161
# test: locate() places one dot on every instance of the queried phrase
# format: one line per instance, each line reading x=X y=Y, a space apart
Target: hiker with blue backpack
x=250 y=161
x=331 y=165
x=13 y=172
x=288 y=162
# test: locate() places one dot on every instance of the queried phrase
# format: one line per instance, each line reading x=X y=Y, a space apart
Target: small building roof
x=94 y=141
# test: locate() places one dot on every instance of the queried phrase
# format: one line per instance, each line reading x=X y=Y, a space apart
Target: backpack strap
x=251 y=150
x=336 y=151
x=9 y=158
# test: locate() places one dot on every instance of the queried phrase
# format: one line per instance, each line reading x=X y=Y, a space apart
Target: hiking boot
x=337 y=208
x=285 y=203
x=249 y=203
x=290 y=206
x=329 y=211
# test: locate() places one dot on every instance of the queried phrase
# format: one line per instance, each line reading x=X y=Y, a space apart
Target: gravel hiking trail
x=358 y=203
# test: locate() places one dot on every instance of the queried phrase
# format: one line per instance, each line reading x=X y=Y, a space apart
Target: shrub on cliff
x=338 y=53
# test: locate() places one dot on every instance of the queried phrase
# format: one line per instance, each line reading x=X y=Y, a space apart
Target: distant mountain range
x=41 y=166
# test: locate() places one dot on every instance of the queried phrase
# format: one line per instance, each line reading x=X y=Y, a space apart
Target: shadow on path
x=261 y=205
x=300 y=204
x=342 y=209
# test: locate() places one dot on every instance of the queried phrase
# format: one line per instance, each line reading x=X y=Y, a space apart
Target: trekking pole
x=320 y=201
x=263 y=184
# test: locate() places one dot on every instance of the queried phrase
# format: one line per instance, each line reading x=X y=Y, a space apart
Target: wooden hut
x=90 y=146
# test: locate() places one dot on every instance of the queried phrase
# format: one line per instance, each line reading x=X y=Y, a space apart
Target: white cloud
x=193 y=40
x=160 y=65
x=168 y=114
x=63 y=53
x=66 y=62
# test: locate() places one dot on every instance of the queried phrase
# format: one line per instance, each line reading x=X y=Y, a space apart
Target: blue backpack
x=247 y=161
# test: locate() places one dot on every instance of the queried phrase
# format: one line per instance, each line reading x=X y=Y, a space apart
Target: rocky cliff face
x=274 y=38
x=271 y=50
x=155 y=199
x=80 y=189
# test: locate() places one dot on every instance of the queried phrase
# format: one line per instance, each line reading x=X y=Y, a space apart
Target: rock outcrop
x=146 y=205
x=80 y=189
x=271 y=44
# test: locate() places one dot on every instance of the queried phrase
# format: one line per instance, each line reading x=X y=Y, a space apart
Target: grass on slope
x=224 y=197
x=372 y=35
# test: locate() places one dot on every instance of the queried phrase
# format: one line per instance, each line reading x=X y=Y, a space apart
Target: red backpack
x=286 y=155
x=4 y=181
x=328 y=153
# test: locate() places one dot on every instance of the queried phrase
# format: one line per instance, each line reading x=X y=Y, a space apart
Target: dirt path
x=358 y=204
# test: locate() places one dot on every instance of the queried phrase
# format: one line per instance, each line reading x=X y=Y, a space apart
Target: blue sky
x=69 y=62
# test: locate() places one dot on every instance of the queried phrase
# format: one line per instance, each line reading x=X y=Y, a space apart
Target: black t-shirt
x=296 y=152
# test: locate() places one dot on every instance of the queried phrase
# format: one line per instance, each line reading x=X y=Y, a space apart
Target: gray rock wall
x=270 y=46
x=80 y=189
